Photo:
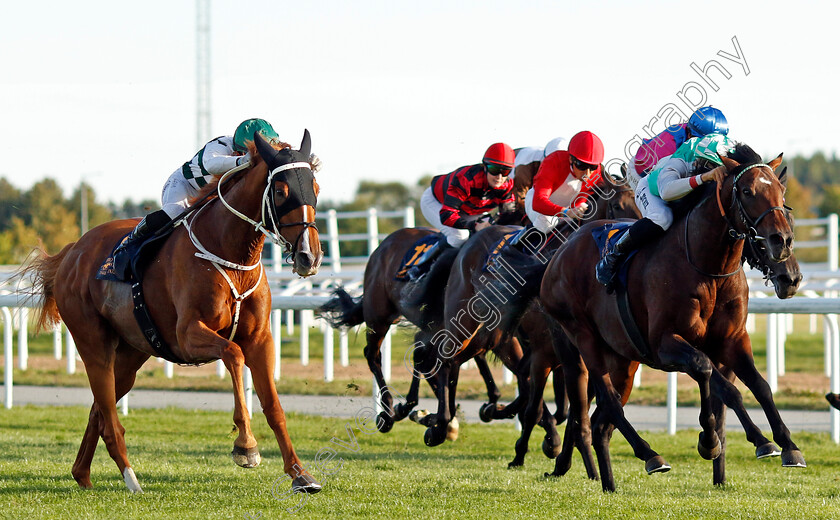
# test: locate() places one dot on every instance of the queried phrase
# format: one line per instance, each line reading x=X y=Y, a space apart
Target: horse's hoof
x=131 y=481
x=516 y=464
x=384 y=422
x=401 y=411
x=793 y=459
x=767 y=450
x=417 y=415
x=551 y=447
x=708 y=453
x=452 y=429
x=305 y=484
x=434 y=436
x=246 y=457
x=656 y=465
x=485 y=413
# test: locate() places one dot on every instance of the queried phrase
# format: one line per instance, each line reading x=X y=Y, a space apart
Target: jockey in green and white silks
x=671 y=180
x=675 y=178
x=216 y=158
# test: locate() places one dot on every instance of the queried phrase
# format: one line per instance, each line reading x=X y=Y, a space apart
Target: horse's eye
x=747 y=192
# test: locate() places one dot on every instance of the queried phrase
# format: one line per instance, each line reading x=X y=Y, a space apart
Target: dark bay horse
x=380 y=307
x=216 y=306
x=688 y=297
x=483 y=311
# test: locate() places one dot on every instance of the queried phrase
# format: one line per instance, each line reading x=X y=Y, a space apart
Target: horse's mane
x=210 y=187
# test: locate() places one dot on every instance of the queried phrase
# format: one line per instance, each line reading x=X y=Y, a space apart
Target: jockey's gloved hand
x=315 y=162
x=243 y=159
x=578 y=211
x=715 y=174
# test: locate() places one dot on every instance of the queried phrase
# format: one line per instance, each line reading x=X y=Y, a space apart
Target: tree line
x=43 y=216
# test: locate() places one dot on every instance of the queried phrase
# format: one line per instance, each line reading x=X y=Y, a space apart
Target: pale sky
x=105 y=90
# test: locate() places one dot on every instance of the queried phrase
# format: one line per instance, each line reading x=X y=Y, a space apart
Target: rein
x=751 y=235
x=273 y=235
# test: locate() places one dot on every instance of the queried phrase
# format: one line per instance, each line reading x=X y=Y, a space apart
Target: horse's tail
x=41 y=271
x=342 y=310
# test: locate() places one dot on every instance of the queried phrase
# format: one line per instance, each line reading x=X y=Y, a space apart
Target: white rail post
x=332 y=231
x=637 y=379
x=277 y=332
x=328 y=354
x=343 y=348
x=123 y=404
x=408 y=217
x=781 y=338
x=71 y=352
x=57 y=341
x=373 y=231
x=290 y=322
x=672 y=403
x=304 y=338
x=507 y=376
x=220 y=368
x=831 y=321
x=385 y=355
x=772 y=352
x=168 y=369
x=248 y=383
x=23 y=340
x=832 y=233
x=8 y=352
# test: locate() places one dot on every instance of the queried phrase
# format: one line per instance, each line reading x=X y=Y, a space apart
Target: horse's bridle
x=610 y=209
x=298 y=196
x=751 y=236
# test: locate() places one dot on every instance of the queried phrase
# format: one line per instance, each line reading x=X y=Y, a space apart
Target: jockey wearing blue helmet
x=708 y=120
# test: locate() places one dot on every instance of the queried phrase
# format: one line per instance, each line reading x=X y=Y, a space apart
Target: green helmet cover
x=709 y=147
x=245 y=132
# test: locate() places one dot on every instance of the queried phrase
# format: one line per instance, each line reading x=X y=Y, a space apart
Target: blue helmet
x=708 y=120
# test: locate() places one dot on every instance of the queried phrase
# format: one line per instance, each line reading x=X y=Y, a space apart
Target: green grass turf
x=182 y=460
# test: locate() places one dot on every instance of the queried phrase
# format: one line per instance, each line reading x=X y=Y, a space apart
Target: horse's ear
x=730 y=164
x=266 y=151
x=775 y=162
x=306 y=143
x=783 y=177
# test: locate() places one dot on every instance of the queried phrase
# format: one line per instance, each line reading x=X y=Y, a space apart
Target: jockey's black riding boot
x=150 y=223
x=434 y=281
x=639 y=234
x=529 y=240
x=429 y=256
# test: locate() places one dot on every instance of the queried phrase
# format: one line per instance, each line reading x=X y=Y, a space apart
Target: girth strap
x=629 y=324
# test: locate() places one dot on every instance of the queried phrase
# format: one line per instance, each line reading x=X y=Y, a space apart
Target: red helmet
x=501 y=154
x=587 y=147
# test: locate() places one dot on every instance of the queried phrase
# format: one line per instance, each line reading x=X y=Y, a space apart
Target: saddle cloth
x=414 y=254
x=605 y=237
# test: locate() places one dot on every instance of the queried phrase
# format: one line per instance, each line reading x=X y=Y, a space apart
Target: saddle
x=140 y=255
x=413 y=256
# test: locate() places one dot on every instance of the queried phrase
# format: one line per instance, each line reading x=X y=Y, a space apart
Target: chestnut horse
x=482 y=312
x=688 y=297
x=206 y=292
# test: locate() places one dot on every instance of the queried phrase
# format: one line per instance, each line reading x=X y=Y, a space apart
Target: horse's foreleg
x=259 y=356
x=676 y=353
x=535 y=387
x=719 y=464
x=128 y=362
x=373 y=354
x=745 y=370
x=436 y=431
x=493 y=393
